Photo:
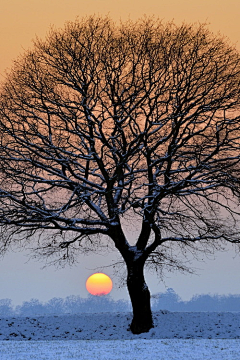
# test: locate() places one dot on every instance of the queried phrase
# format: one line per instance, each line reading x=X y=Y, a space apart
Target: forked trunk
x=140 y=297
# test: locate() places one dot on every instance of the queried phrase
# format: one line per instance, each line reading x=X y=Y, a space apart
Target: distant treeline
x=96 y=304
x=70 y=305
x=205 y=302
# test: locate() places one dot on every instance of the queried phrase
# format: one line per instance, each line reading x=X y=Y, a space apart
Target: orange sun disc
x=99 y=284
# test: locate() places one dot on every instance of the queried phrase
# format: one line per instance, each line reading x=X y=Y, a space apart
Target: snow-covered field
x=114 y=326
x=173 y=349
x=175 y=336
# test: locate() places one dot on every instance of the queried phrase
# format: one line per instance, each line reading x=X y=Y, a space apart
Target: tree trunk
x=140 y=297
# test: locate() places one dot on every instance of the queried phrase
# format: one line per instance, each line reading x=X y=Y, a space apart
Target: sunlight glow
x=99 y=284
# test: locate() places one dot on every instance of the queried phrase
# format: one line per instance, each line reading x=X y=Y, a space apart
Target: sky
x=21 y=21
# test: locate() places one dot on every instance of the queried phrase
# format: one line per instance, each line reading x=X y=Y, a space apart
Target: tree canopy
x=102 y=122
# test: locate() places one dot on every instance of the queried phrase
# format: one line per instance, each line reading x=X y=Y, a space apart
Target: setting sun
x=99 y=284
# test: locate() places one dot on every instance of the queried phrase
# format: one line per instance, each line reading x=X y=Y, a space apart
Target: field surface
x=114 y=326
x=176 y=336
x=173 y=349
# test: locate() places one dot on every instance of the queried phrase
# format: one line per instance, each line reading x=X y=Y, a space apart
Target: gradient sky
x=21 y=21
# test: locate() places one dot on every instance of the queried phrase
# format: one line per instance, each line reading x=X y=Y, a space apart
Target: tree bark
x=140 y=297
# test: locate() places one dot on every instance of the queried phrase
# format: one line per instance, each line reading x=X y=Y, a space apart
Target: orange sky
x=21 y=20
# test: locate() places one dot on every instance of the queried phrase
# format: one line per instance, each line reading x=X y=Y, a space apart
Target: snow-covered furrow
x=110 y=326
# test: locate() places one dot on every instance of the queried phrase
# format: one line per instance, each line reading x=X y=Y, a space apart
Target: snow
x=114 y=326
x=121 y=349
x=101 y=336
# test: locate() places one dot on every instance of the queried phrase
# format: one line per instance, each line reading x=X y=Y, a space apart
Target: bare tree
x=103 y=122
